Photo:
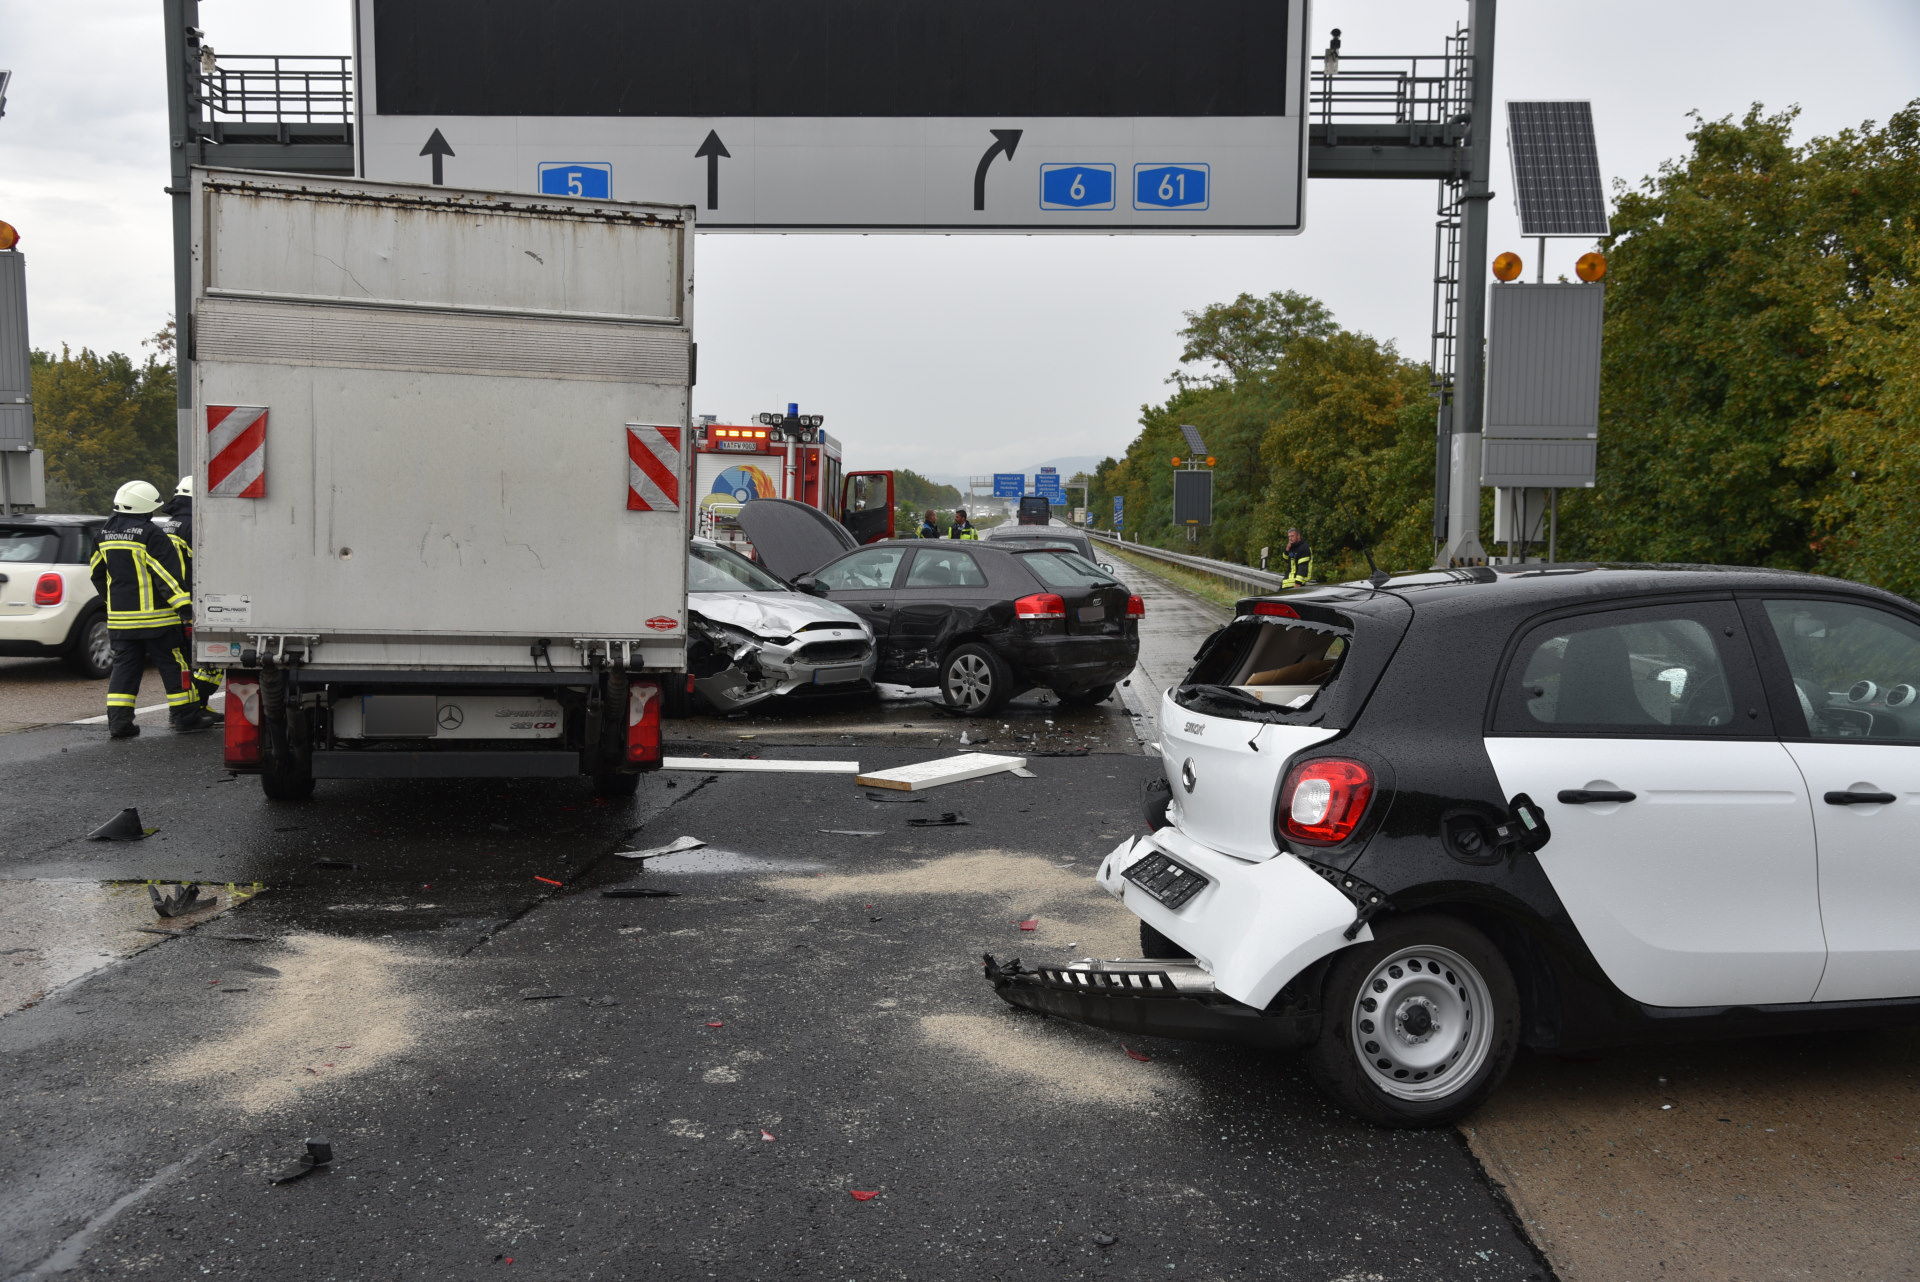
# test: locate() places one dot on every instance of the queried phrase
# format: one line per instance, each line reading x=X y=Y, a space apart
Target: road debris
x=319 y=1154
x=673 y=847
x=852 y=832
x=1142 y=1056
x=1104 y=1239
x=550 y=881
x=864 y=1195
x=949 y=819
x=1022 y=772
x=638 y=892
x=716 y=1023
x=1031 y=923
x=712 y=765
x=767 y=1136
x=334 y=865
x=897 y=801
x=946 y=770
x=124 y=826
x=541 y=994
x=180 y=900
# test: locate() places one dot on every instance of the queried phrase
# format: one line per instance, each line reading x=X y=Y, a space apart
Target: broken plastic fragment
x=638 y=892
x=1142 y=1056
x=766 y=1135
x=673 y=847
x=864 y=1195
x=319 y=1153
x=124 y=826
x=1031 y=923
x=179 y=900
x=716 y=1023
x=950 y=819
x=550 y=881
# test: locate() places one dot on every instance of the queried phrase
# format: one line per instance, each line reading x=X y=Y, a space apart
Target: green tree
x=103 y=420
x=1245 y=336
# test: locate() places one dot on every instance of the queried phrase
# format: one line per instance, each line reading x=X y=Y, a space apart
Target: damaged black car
x=982 y=622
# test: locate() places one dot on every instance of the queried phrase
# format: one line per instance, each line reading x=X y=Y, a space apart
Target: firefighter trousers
x=133 y=649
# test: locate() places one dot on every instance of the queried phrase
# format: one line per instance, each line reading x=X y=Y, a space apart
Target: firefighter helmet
x=136 y=497
x=184 y=490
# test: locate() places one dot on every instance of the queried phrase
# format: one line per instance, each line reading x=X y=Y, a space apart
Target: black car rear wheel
x=975 y=680
x=1421 y=1023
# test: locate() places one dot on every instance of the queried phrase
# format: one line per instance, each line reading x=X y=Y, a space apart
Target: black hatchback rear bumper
x=1071 y=662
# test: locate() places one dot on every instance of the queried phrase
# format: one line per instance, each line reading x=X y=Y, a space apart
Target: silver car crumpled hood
x=771 y=614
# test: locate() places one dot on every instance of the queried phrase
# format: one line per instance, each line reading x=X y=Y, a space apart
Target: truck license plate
x=1167 y=880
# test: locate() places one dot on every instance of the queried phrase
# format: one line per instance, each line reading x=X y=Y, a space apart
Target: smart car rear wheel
x=1420 y=1023
x=975 y=680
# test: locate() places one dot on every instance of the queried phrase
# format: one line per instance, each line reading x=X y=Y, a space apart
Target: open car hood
x=791 y=538
x=771 y=614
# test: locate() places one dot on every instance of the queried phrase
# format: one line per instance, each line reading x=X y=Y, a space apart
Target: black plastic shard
x=178 y=900
x=319 y=1153
x=638 y=892
x=950 y=819
x=124 y=826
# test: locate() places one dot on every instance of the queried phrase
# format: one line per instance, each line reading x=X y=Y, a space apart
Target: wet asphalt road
x=514 y=1071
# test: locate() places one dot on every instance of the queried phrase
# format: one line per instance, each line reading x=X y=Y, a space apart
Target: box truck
x=440 y=453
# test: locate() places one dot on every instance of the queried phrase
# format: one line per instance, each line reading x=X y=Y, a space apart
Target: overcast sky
x=966 y=353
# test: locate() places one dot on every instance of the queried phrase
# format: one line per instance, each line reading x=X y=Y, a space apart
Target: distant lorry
x=440 y=457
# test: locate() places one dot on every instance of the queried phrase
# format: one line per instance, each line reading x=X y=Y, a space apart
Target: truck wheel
x=975 y=680
x=286 y=783
x=1157 y=946
x=611 y=783
x=1420 y=1023
x=91 y=654
x=1086 y=698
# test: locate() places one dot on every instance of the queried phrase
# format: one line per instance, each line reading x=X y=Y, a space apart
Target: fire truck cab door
x=867 y=506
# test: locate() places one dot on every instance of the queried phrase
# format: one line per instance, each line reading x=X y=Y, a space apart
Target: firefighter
x=179 y=509
x=962 y=528
x=1299 y=558
x=137 y=572
x=929 y=526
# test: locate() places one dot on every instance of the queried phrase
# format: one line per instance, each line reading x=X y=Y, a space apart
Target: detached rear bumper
x=1153 y=998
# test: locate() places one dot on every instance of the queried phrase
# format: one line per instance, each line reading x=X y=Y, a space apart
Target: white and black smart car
x=1412 y=824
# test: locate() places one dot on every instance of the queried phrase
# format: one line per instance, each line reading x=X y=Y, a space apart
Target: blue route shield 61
x=1171 y=186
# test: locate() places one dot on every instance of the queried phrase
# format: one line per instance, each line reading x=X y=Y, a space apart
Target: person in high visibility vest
x=179 y=509
x=929 y=527
x=962 y=528
x=1299 y=558
x=137 y=571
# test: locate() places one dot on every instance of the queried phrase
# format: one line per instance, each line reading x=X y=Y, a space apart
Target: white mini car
x=1409 y=825
x=47 y=603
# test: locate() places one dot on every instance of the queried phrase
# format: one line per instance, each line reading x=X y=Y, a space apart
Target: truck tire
x=1420 y=1023
x=286 y=782
x=612 y=783
x=90 y=653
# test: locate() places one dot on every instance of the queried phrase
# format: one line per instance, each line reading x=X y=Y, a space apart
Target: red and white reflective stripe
x=237 y=451
x=653 y=468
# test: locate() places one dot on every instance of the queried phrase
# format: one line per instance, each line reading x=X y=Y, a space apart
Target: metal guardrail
x=1257 y=582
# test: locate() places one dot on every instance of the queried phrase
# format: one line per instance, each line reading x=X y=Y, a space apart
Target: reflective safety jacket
x=137 y=571
x=1299 y=558
x=180 y=508
x=965 y=532
x=928 y=530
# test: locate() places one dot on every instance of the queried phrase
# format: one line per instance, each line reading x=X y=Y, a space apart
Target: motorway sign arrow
x=1004 y=142
x=713 y=149
x=437 y=147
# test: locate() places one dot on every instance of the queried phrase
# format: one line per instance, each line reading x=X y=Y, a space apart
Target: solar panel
x=1556 y=169
x=1194 y=442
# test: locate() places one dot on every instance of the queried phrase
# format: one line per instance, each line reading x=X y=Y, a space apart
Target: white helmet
x=136 y=497
x=184 y=490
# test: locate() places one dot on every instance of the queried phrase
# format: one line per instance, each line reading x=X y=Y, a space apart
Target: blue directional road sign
x=1119 y=511
x=1048 y=484
x=1076 y=186
x=589 y=179
x=1009 y=485
x=1171 y=186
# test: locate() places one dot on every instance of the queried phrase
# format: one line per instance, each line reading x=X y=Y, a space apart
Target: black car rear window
x=1311 y=666
x=25 y=543
x=1066 y=571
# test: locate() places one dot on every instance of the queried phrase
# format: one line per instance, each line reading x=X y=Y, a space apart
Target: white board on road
x=722 y=765
x=931 y=774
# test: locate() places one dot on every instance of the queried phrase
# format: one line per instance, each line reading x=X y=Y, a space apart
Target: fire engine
x=735 y=463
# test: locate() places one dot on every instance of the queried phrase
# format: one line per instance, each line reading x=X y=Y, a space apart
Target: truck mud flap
x=1152 y=998
x=445 y=765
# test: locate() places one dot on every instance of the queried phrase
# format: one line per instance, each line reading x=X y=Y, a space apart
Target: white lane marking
x=141 y=712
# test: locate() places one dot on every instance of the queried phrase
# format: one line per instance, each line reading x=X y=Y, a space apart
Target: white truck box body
x=449 y=377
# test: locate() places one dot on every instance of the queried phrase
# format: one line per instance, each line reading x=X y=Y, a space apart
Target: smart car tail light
x=1275 y=609
x=1323 y=800
x=50 y=590
x=1041 y=605
x=643 y=722
x=243 y=721
x=1136 y=608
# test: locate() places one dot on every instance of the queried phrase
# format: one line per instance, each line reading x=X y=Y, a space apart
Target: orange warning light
x=9 y=236
x=1209 y=460
x=1507 y=266
x=1590 y=267
x=1176 y=461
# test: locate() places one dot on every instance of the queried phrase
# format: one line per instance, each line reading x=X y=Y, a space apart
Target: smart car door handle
x=1585 y=796
x=1861 y=799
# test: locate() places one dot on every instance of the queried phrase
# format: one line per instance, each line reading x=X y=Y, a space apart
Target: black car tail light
x=1136 y=608
x=1041 y=605
x=1323 y=800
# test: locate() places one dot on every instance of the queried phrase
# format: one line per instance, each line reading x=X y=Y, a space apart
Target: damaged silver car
x=753 y=637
